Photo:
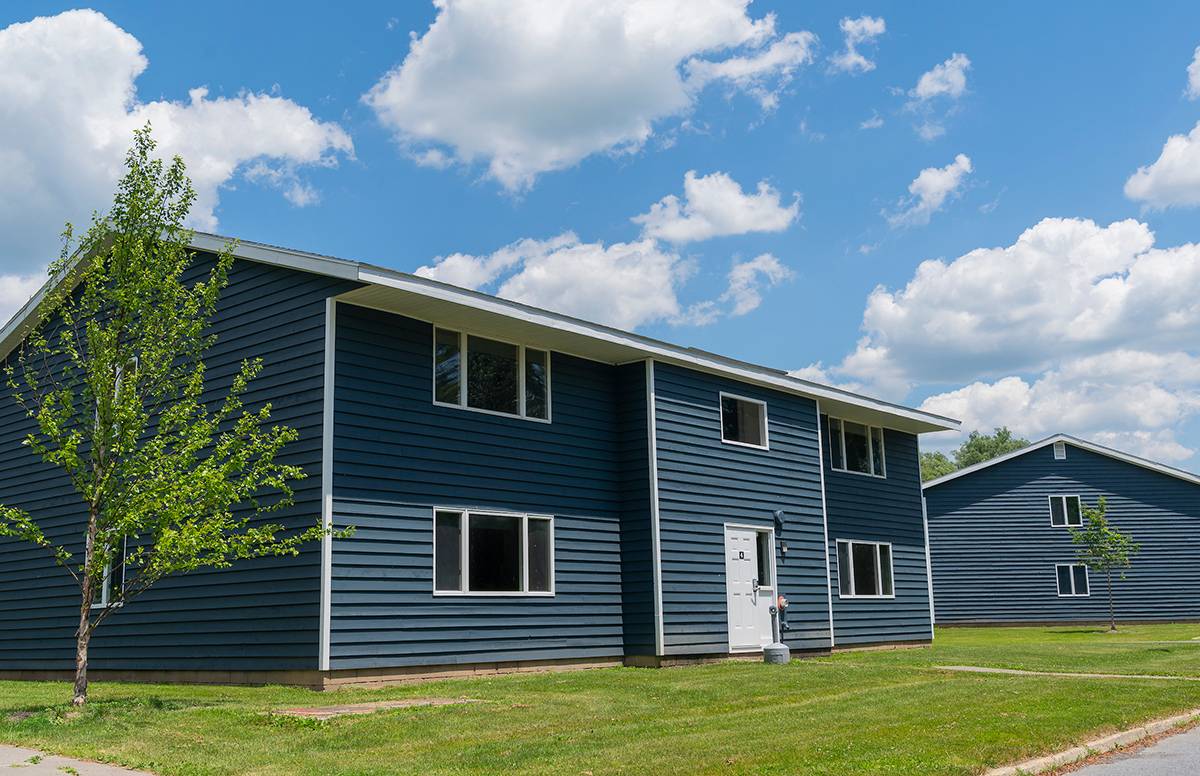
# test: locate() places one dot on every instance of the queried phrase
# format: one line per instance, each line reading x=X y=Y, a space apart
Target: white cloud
x=1193 y=71
x=626 y=285
x=949 y=79
x=746 y=281
x=528 y=87
x=715 y=205
x=875 y=122
x=929 y=192
x=68 y=108
x=1173 y=178
x=936 y=94
x=15 y=290
x=863 y=30
x=1132 y=400
x=1074 y=327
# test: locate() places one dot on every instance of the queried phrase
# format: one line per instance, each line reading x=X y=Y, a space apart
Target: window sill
x=491 y=594
x=860 y=474
x=1074 y=595
x=493 y=413
x=744 y=444
x=867 y=597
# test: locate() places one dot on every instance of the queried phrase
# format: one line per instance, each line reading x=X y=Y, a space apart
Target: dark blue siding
x=260 y=615
x=397 y=456
x=994 y=549
x=881 y=510
x=704 y=483
x=637 y=546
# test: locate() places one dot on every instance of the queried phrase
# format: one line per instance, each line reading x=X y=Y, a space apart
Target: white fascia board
x=1083 y=444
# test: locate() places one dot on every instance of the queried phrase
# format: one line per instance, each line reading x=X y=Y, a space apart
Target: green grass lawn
x=887 y=712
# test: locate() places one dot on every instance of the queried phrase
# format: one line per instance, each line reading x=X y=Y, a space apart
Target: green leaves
x=170 y=466
x=1100 y=546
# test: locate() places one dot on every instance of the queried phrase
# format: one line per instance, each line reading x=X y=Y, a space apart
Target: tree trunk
x=84 y=634
x=1112 y=612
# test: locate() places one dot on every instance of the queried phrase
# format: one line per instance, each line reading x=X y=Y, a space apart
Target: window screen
x=492 y=375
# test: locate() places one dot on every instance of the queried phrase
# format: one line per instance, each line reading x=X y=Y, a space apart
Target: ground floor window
x=112 y=587
x=490 y=553
x=864 y=569
x=1072 y=580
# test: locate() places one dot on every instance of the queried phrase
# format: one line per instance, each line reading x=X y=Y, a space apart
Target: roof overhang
x=1083 y=444
x=451 y=306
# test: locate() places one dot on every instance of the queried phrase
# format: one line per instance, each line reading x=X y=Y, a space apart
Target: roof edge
x=1084 y=444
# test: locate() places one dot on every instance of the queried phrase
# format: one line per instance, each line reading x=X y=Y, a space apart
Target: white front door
x=749 y=588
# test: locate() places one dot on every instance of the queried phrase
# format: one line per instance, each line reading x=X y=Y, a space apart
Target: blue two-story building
x=527 y=489
x=1000 y=537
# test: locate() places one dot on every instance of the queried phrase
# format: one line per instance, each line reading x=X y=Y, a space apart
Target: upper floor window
x=1072 y=580
x=1064 y=511
x=864 y=570
x=854 y=447
x=743 y=421
x=489 y=375
x=492 y=553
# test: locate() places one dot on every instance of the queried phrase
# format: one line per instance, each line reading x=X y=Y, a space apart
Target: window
x=864 y=570
x=1072 y=580
x=484 y=553
x=854 y=447
x=1064 y=511
x=765 y=554
x=743 y=421
x=1060 y=451
x=490 y=376
x=113 y=584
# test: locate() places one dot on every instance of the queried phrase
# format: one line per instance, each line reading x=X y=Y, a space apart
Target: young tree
x=113 y=379
x=1103 y=548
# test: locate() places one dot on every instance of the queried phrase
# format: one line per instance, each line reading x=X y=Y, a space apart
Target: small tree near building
x=172 y=472
x=1103 y=549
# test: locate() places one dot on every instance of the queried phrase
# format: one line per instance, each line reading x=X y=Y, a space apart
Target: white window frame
x=465 y=556
x=870 y=448
x=1086 y=576
x=765 y=425
x=103 y=602
x=464 y=338
x=878 y=569
x=1060 y=451
x=1066 y=514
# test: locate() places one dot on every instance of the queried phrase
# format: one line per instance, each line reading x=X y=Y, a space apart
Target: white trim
x=878 y=570
x=1086 y=578
x=655 y=539
x=825 y=521
x=464 y=338
x=773 y=587
x=1066 y=515
x=916 y=421
x=928 y=566
x=327 y=483
x=464 y=516
x=870 y=449
x=1083 y=444
x=764 y=426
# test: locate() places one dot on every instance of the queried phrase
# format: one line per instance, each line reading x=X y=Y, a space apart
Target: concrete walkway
x=1177 y=755
x=27 y=762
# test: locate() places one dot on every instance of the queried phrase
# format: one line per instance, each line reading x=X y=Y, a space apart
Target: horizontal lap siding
x=704 y=483
x=397 y=456
x=258 y=615
x=881 y=509
x=994 y=549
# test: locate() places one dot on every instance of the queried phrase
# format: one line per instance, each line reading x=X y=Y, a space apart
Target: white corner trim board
x=327 y=483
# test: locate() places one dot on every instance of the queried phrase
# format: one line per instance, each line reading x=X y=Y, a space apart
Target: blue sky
x=1085 y=328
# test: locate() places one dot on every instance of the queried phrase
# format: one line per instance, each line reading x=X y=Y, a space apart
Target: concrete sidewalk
x=1177 y=755
x=15 y=760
